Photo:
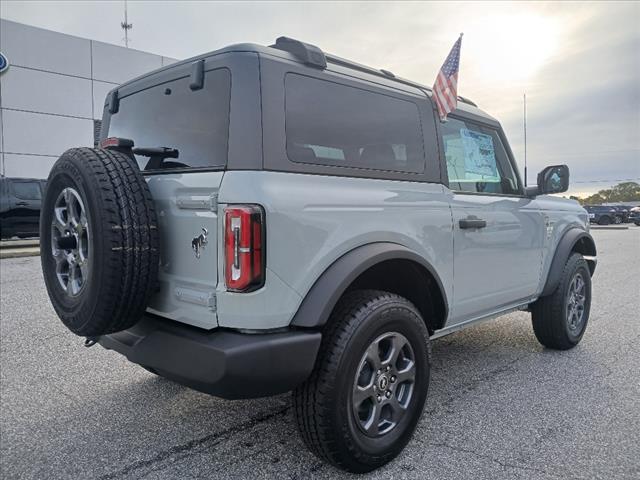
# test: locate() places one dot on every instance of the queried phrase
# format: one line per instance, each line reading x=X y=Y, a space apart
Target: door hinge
x=212 y=302
x=213 y=202
x=197 y=297
x=198 y=202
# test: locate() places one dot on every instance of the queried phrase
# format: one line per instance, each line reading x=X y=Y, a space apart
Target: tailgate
x=188 y=225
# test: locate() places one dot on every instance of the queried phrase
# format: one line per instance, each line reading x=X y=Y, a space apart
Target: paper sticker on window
x=479 y=154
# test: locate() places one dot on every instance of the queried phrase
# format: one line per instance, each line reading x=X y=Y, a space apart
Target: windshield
x=195 y=123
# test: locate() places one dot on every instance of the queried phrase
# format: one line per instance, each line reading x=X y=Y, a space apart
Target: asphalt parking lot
x=500 y=405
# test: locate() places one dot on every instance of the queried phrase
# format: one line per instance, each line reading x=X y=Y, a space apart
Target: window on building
x=97 y=126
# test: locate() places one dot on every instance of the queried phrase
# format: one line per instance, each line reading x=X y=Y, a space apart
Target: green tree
x=623 y=192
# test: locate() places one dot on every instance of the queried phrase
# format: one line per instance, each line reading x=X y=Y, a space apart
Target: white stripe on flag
x=448 y=96
x=441 y=100
x=440 y=89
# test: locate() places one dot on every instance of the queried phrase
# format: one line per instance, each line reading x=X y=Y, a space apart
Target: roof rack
x=305 y=52
x=314 y=56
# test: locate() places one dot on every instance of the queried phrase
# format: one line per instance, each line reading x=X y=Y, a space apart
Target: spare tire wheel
x=99 y=241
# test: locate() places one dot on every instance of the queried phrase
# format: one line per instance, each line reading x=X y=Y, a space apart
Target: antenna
x=524 y=121
x=126 y=26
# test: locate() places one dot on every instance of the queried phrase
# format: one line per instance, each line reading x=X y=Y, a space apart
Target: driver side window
x=477 y=161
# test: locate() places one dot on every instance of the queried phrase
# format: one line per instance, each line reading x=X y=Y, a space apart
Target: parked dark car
x=622 y=213
x=634 y=215
x=20 y=201
x=602 y=215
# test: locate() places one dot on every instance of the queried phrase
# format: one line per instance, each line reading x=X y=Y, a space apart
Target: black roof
x=314 y=57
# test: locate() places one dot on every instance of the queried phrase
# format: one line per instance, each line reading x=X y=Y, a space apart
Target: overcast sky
x=579 y=63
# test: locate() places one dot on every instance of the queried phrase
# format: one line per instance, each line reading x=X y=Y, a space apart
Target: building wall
x=53 y=91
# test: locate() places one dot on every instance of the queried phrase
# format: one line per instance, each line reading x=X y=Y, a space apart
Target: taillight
x=244 y=254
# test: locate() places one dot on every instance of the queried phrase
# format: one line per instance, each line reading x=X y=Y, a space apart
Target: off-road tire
x=123 y=245
x=549 y=314
x=322 y=405
x=604 y=220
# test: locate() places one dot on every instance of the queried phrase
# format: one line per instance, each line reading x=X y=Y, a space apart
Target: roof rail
x=312 y=55
x=466 y=100
x=378 y=73
x=305 y=52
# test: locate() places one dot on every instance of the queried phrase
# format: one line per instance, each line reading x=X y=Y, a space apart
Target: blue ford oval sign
x=4 y=63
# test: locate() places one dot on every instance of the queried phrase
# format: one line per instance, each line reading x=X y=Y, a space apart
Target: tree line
x=622 y=192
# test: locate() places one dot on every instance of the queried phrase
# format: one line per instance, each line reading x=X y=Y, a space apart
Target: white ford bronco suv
x=266 y=219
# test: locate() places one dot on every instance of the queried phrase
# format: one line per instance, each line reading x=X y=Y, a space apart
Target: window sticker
x=454 y=155
x=479 y=155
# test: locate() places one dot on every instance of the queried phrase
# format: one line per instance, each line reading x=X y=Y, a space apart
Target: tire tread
x=547 y=314
x=128 y=226
x=311 y=401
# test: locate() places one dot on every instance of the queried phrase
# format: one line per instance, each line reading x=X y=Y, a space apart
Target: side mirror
x=553 y=179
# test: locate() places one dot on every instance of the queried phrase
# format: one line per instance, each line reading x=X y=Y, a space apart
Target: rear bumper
x=223 y=363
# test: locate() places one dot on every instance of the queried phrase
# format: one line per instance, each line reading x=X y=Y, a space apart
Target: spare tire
x=99 y=241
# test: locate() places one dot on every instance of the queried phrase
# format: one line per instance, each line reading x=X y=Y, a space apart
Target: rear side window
x=195 y=123
x=27 y=190
x=477 y=160
x=333 y=124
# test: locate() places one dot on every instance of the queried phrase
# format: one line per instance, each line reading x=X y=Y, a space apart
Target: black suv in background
x=20 y=202
x=603 y=215
x=622 y=212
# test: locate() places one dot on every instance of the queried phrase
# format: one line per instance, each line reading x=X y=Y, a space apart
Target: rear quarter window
x=328 y=123
x=195 y=122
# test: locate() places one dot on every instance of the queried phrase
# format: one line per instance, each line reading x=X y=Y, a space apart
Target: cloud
x=578 y=62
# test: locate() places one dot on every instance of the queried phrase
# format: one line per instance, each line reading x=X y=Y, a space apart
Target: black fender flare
x=322 y=297
x=566 y=245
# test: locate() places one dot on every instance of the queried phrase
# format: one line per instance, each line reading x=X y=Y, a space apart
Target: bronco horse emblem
x=198 y=243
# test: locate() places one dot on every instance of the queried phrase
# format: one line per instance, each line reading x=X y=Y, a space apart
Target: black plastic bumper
x=223 y=363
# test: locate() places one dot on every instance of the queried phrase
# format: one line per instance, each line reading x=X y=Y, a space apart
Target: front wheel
x=362 y=402
x=560 y=319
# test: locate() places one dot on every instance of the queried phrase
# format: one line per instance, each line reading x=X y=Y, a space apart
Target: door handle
x=22 y=204
x=472 y=222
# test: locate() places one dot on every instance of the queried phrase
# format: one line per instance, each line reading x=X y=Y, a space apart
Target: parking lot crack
x=476 y=382
x=187 y=448
x=504 y=465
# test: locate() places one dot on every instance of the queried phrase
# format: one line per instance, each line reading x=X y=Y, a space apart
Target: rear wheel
x=365 y=396
x=604 y=220
x=560 y=319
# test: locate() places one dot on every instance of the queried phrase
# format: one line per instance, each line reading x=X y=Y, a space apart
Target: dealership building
x=53 y=91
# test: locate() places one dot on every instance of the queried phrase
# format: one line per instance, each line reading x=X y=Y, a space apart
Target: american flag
x=445 y=90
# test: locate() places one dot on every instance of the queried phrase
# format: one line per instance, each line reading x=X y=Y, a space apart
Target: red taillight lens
x=244 y=261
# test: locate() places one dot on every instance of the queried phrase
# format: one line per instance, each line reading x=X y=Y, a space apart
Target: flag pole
x=524 y=121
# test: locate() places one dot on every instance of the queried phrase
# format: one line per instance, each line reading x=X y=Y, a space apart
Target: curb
x=14 y=244
x=19 y=252
x=607 y=227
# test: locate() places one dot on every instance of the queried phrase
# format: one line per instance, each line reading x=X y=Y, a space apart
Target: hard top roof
x=277 y=51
